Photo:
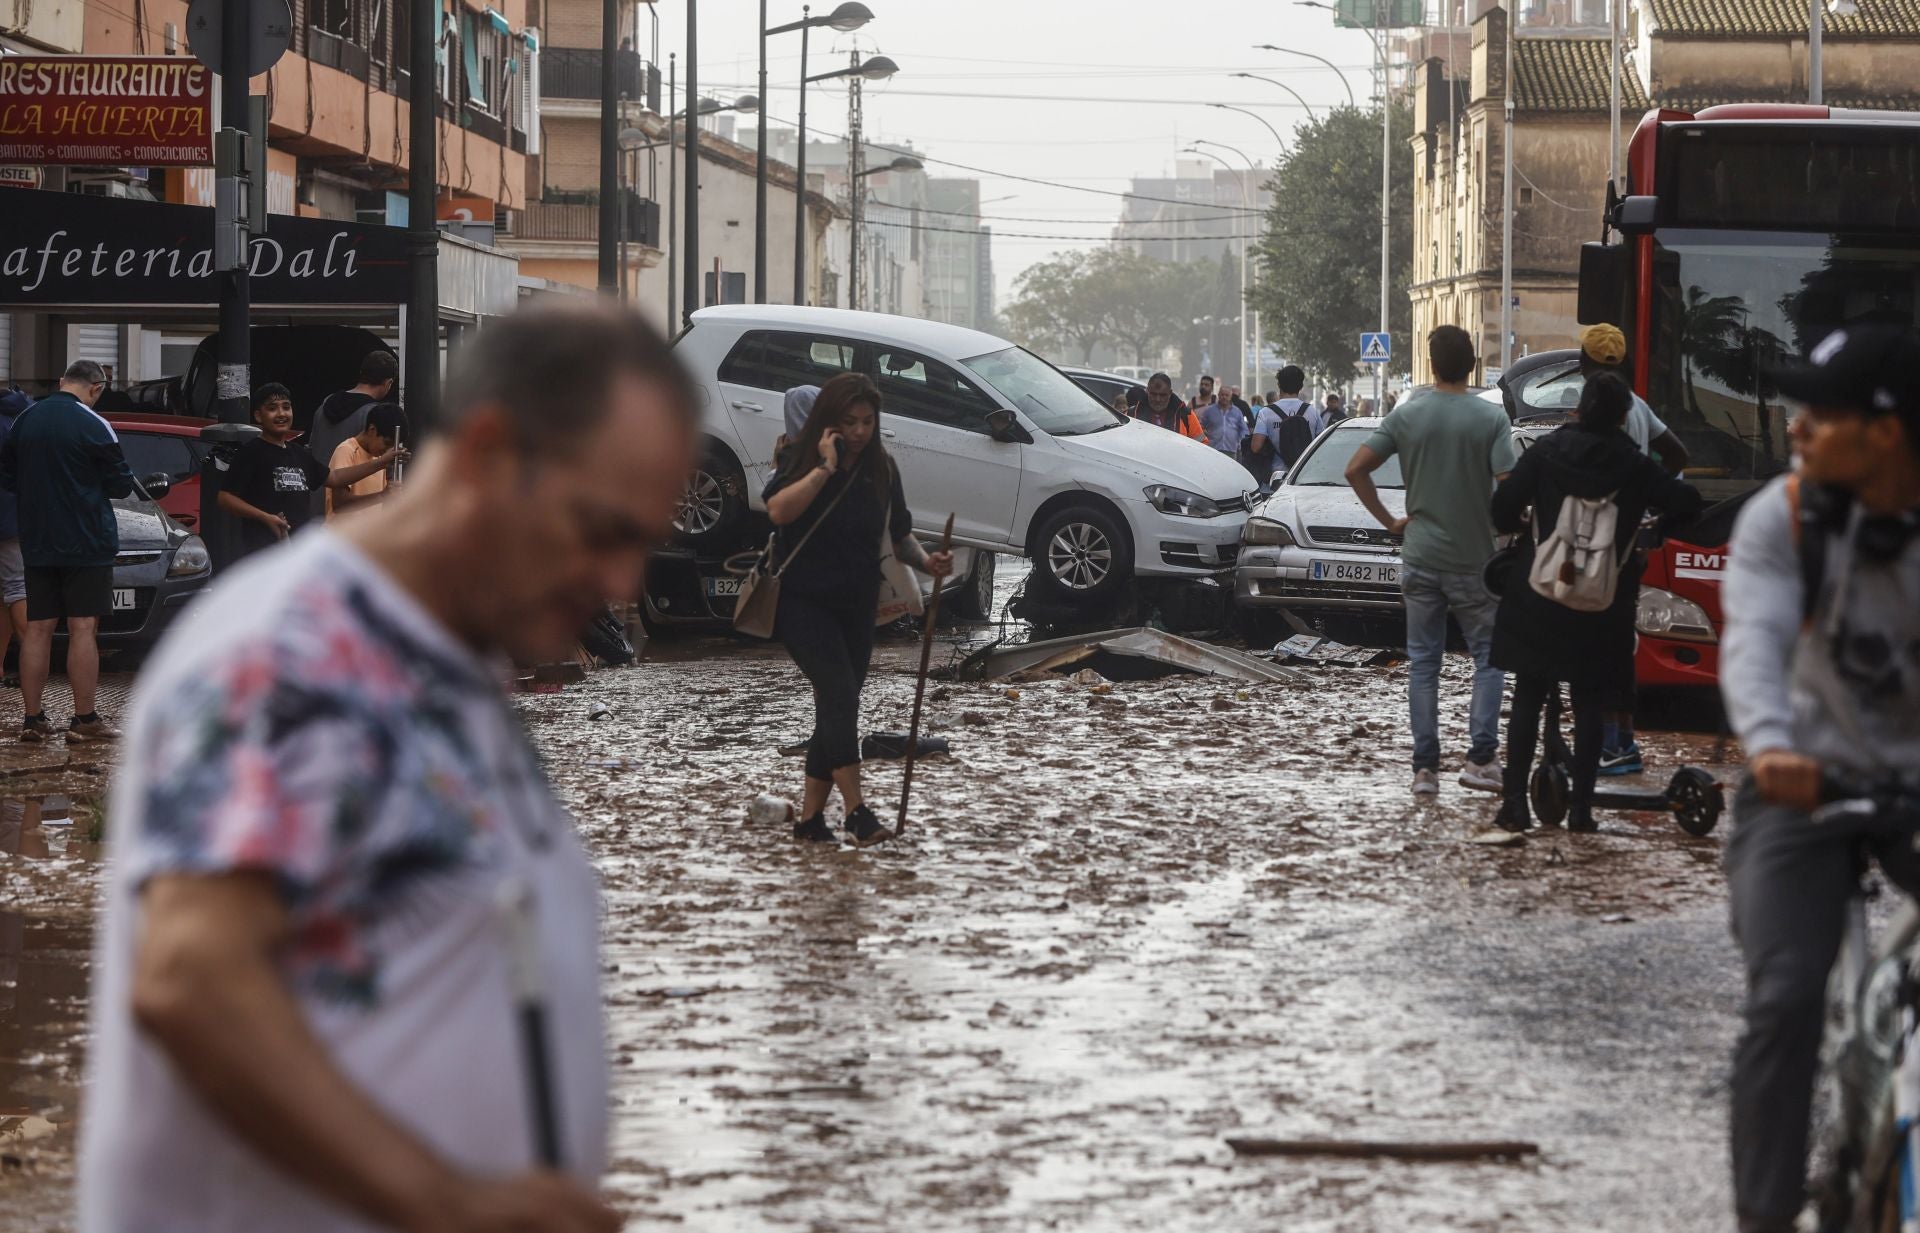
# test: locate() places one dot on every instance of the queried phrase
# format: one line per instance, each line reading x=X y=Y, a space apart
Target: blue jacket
x=12 y=403
x=64 y=463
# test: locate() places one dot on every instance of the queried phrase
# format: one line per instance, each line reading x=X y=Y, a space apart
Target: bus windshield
x=1728 y=306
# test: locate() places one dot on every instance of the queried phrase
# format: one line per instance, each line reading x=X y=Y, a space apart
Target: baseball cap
x=1872 y=367
x=1603 y=344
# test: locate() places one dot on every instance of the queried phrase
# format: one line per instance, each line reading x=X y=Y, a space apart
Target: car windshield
x=1043 y=393
x=1326 y=465
x=1727 y=307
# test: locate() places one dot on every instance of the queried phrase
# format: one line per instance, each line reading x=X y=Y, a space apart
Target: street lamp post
x=690 y=264
x=1284 y=86
x=1294 y=51
x=844 y=18
x=877 y=69
x=858 y=194
x=1816 y=20
x=1277 y=139
x=1247 y=203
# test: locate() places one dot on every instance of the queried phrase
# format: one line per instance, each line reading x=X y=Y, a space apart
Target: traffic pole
x=233 y=379
x=422 y=341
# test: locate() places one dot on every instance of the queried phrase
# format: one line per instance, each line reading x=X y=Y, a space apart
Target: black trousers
x=1788 y=882
x=1530 y=694
x=831 y=640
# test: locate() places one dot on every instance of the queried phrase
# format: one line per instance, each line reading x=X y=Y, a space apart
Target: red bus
x=1749 y=232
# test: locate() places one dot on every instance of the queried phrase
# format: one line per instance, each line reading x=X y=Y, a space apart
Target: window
x=1526 y=195
x=780 y=360
x=924 y=389
x=148 y=453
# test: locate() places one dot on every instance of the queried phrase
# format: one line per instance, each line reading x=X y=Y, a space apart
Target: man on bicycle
x=1820 y=670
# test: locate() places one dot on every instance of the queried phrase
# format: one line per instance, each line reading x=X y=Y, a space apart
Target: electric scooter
x=1692 y=796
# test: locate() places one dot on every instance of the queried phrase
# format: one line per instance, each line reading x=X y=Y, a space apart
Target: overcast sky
x=1038 y=88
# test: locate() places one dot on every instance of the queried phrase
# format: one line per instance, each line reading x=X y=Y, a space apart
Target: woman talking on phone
x=837 y=503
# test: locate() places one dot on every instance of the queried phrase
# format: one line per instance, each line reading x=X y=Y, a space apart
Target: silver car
x=1312 y=545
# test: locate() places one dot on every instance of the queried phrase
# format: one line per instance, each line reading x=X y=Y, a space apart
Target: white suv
x=1028 y=462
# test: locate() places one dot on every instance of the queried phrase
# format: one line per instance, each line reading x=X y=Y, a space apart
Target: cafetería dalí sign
x=111 y=111
x=69 y=248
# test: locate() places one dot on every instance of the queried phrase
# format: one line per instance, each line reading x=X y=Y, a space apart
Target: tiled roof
x=1696 y=103
x=1565 y=74
x=1883 y=19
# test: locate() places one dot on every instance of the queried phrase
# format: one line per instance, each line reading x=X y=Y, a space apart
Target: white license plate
x=723 y=588
x=123 y=599
x=1354 y=571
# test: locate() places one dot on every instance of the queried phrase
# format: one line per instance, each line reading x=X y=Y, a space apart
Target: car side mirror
x=1005 y=427
x=157 y=485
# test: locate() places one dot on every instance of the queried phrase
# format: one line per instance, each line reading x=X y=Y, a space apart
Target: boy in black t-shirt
x=271 y=486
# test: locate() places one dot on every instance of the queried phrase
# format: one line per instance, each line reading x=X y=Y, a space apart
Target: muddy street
x=1127 y=923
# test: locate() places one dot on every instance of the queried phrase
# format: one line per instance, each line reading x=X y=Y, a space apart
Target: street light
x=1284 y=86
x=857 y=71
x=1245 y=201
x=1277 y=139
x=1294 y=51
x=906 y=162
x=1386 y=174
x=845 y=18
x=1816 y=21
x=713 y=106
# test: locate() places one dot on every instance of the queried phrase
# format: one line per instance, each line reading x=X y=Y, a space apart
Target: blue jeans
x=1430 y=595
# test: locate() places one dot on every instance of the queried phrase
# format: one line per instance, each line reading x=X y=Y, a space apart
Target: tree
x=1319 y=249
x=1054 y=308
x=1075 y=301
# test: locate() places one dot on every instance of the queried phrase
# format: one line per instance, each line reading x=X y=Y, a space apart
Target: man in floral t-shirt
x=303 y=1013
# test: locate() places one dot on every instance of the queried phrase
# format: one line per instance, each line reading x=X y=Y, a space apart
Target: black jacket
x=1531 y=633
x=65 y=464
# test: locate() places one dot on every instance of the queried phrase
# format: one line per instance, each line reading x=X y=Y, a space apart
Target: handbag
x=899 y=589
x=758 y=606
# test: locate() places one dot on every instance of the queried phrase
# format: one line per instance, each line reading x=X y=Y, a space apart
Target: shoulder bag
x=759 y=603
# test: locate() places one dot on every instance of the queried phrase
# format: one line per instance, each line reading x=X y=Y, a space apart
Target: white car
x=1026 y=461
x=1313 y=546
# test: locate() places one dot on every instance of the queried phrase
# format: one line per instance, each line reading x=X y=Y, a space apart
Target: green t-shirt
x=1450 y=446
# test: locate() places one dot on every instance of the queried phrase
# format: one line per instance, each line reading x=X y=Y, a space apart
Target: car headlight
x=1265 y=532
x=1662 y=614
x=190 y=558
x=1181 y=503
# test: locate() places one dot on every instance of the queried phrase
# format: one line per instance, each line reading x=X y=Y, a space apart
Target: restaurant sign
x=106 y=111
x=70 y=248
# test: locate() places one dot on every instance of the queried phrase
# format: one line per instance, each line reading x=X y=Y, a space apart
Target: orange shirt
x=349 y=454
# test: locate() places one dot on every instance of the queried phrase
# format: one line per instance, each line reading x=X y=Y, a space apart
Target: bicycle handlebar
x=1856 y=798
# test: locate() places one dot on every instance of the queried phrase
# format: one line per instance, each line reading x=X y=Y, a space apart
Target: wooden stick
x=1393 y=1151
x=920 y=686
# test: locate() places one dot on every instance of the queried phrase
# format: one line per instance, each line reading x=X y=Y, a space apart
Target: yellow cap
x=1604 y=344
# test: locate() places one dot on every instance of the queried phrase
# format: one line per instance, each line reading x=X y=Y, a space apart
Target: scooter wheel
x=1550 y=788
x=1696 y=800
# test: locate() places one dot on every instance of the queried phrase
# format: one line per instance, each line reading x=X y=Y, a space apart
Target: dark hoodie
x=1531 y=633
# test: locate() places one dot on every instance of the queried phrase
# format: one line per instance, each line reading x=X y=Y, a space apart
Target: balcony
x=574 y=73
x=579 y=222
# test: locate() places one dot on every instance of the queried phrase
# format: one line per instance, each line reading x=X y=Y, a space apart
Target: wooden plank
x=1375 y=1149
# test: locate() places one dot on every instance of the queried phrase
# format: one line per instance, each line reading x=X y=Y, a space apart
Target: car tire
x=714 y=502
x=1082 y=556
x=973 y=598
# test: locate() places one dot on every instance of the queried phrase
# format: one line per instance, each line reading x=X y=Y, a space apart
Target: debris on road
x=892 y=746
x=1314 y=650
x=1362 y=1148
x=767 y=809
x=1137 y=654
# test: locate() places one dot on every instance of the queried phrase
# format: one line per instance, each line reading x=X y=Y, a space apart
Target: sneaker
x=1514 y=816
x=1580 y=819
x=1483 y=777
x=1622 y=761
x=35 y=729
x=815 y=830
x=865 y=829
x=1426 y=783
x=87 y=731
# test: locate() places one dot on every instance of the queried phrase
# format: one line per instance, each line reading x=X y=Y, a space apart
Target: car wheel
x=973 y=598
x=1082 y=555
x=713 y=503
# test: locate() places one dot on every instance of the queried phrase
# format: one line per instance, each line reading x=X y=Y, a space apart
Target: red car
x=167 y=445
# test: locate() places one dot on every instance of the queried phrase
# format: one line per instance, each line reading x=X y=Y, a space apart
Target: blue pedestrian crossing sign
x=1376 y=348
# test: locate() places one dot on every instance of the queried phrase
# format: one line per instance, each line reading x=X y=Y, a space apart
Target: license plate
x=123 y=599
x=1373 y=572
x=723 y=588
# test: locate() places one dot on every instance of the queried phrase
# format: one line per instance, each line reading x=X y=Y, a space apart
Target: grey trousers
x=1789 y=881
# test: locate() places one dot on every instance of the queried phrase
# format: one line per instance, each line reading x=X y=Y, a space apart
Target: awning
x=499 y=22
x=531 y=39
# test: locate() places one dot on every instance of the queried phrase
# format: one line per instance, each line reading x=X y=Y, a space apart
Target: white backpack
x=1575 y=567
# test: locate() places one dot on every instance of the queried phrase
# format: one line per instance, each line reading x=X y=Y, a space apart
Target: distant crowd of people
x=1267 y=438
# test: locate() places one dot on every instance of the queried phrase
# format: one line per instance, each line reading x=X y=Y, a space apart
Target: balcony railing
x=574 y=72
x=580 y=222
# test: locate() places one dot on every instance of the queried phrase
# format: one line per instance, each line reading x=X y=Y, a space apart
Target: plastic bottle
x=767 y=809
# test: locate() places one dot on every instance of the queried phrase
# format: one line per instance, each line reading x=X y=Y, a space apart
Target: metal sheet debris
x=1140 y=653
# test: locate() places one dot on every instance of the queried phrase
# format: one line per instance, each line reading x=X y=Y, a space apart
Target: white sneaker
x=1426 y=783
x=1483 y=777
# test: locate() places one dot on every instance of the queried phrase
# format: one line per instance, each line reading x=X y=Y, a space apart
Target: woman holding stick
x=837 y=502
